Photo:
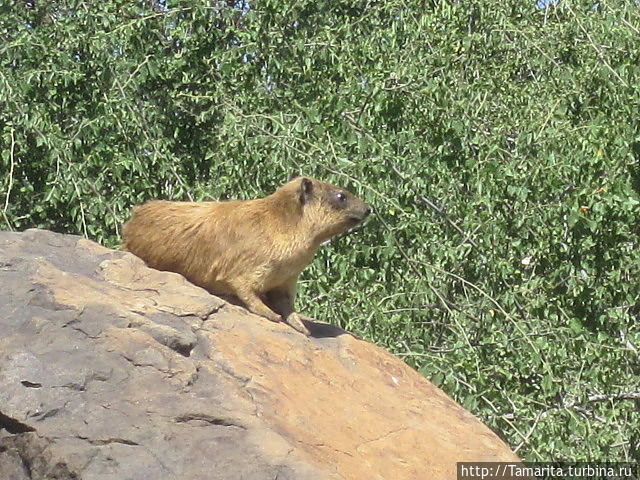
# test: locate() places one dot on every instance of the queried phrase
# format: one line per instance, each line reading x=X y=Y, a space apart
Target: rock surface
x=111 y=370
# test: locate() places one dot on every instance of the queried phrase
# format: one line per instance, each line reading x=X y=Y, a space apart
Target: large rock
x=111 y=370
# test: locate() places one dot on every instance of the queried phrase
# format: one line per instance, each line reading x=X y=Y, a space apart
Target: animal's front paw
x=296 y=322
x=274 y=317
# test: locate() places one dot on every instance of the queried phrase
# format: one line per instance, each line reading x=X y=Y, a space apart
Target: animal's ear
x=306 y=189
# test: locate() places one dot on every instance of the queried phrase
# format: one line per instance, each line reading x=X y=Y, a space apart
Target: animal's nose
x=368 y=211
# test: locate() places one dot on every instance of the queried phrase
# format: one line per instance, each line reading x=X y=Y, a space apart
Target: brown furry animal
x=252 y=249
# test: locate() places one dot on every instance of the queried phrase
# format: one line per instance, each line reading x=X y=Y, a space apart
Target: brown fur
x=252 y=249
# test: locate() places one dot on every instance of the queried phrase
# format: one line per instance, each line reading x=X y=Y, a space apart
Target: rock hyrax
x=252 y=249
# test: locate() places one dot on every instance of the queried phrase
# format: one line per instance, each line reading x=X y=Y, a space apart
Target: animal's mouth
x=354 y=229
x=356 y=223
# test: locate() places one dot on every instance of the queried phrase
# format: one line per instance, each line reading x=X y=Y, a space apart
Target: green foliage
x=498 y=141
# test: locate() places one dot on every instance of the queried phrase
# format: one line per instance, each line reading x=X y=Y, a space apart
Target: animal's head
x=326 y=209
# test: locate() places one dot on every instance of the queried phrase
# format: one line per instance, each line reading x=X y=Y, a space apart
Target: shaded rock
x=111 y=370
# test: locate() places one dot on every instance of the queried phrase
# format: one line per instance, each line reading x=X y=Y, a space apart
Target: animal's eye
x=341 y=197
